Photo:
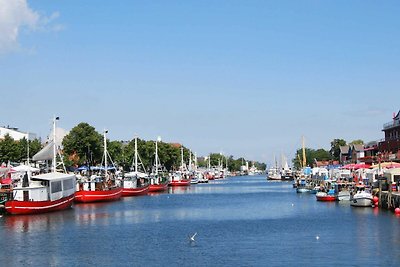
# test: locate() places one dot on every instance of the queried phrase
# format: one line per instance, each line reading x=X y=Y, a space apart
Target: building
x=351 y=153
x=389 y=148
x=371 y=151
x=15 y=134
x=344 y=154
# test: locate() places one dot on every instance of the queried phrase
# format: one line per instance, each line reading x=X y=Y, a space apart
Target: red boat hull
x=326 y=198
x=34 y=207
x=130 y=192
x=84 y=196
x=158 y=187
x=180 y=183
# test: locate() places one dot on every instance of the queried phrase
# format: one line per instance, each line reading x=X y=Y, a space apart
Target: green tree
x=9 y=151
x=84 y=143
x=335 y=148
x=357 y=142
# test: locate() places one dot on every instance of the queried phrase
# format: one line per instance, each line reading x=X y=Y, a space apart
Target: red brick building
x=389 y=148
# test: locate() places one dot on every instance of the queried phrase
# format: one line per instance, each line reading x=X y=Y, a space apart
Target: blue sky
x=247 y=78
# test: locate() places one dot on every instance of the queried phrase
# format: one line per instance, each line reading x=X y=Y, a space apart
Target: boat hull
x=139 y=191
x=16 y=207
x=180 y=183
x=84 y=196
x=361 y=202
x=327 y=198
x=158 y=187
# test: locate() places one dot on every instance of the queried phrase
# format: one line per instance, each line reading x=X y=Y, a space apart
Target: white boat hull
x=361 y=202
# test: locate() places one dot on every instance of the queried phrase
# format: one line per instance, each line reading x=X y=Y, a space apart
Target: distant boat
x=45 y=192
x=158 y=182
x=273 y=172
x=99 y=188
x=181 y=177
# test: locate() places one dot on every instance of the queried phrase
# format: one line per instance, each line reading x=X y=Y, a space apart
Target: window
x=68 y=184
x=56 y=187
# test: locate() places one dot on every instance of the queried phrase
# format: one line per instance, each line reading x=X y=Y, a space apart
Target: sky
x=246 y=78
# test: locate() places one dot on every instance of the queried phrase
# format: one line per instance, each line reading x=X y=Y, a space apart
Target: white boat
x=344 y=195
x=361 y=198
x=273 y=174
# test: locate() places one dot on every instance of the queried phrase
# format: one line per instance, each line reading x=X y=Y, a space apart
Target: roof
x=344 y=149
x=358 y=148
x=52 y=176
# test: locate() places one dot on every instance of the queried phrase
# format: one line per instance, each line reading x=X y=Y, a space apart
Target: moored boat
x=97 y=191
x=323 y=196
x=42 y=193
x=99 y=188
x=361 y=198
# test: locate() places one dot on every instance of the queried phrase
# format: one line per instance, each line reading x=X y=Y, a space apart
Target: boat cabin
x=44 y=187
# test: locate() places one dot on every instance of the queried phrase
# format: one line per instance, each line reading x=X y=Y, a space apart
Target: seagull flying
x=192 y=237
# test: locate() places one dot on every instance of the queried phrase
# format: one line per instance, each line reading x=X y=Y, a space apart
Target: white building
x=15 y=134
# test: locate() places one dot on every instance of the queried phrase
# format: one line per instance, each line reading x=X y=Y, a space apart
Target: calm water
x=240 y=221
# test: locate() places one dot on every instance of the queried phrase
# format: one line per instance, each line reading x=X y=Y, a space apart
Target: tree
x=357 y=142
x=84 y=142
x=8 y=150
x=335 y=148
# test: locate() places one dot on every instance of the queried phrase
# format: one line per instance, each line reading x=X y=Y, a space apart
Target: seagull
x=192 y=237
x=317 y=237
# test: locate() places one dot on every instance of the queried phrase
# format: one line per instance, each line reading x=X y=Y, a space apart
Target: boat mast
x=190 y=160
x=136 y=154
x=105 y=152
x=182 y=157
x=304 y=154
x=54 y=144
x=156 y=163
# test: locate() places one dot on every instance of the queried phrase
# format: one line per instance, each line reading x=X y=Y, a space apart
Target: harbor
x=242 y=221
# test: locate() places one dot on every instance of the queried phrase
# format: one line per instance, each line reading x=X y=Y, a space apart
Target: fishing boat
x=181 y=177
x=362 y=198
x=47 y=192
x=158 y=181
x=99 y=188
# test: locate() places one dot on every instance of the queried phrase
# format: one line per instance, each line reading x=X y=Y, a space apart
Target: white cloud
x=16 y=15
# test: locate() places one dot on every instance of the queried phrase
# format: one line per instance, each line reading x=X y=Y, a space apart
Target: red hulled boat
x=182 y=182
x=43 y=193
x=322 y=196
x=158 y=187
x=111 y=194
x=135 y=191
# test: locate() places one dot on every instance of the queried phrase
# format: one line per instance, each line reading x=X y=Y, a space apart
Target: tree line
x=83 y=145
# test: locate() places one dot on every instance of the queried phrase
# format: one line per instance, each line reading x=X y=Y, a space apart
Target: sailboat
x=180 y=178
x=98 y=188
x=135 y=183
x=273 y=172
x=158 y=182
x=286 y=173
x=47 y=192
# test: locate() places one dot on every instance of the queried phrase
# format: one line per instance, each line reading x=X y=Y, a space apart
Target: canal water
x=239 y=221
